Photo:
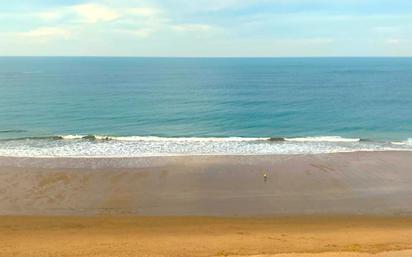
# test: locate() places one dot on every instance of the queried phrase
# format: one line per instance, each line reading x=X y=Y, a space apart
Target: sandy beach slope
x=363 y=183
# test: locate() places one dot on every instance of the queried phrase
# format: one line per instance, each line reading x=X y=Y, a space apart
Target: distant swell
x=13 y=131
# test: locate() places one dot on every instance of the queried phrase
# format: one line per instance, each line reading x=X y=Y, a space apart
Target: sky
x=210 y=28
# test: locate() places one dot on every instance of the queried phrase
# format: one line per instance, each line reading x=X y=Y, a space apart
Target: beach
x=265 y=128
x=360 y=183
x=206 y=236
x=208 y=205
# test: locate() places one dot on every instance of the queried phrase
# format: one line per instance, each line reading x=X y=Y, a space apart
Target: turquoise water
x=154 y=106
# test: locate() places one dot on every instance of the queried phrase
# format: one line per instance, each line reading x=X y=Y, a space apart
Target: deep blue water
x=368 y=98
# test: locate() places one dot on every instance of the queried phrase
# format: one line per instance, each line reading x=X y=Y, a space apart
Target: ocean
x=108 y=106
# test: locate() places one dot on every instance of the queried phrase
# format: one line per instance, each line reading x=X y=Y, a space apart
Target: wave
x=323 y=139
x=32 y=138
x=277 y=139
x=88 y=137
x=168 y=139
x=13 y=131
x=330 y=139
x=132 y=146
x=71 y=137
x=212 y=139
x=406 y=142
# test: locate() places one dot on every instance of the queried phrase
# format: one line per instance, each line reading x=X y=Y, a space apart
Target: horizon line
x=203 y=57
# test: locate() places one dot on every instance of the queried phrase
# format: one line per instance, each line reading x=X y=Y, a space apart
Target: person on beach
x=265 y=177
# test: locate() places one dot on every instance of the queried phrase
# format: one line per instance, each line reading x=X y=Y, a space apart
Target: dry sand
x=346 y=204
x=201 y=236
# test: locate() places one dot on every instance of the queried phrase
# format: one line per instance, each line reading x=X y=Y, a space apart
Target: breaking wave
x=134 y=146
x=211 y=139
x=406 y=142
x=164 y=139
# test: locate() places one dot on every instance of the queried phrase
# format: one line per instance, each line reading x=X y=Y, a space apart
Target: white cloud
x=140 y=21
x=215 y=5
x=49 y=15
x=47 y=33
x=210 y=5
x=393 y=41
x=93 y=13
x=143 y=33
x=148 y=12
x=191 y=27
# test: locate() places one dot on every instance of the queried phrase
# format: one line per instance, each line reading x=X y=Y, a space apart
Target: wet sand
x=345 y=204
x=364 y=183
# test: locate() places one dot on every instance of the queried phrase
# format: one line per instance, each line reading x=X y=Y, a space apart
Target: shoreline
x=15 y=161
x=205 y=154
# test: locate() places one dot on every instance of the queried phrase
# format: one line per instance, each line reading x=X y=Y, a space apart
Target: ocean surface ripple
x=86 y=106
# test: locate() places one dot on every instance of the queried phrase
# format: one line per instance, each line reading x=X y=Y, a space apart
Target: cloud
x=191 y=27
x=143 y=33
x=93 y=13
x=141 y=21
x=47 y=33
x=393 y=41
x=215 y=5
x=48 y=15
x=148 y=12
x=179 y=27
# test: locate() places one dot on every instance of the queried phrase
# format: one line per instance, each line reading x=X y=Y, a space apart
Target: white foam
x=322 y=139
x=71 y=137
x=157 y=146
x=166 y=139
x=189 y=139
